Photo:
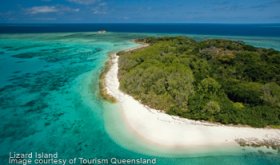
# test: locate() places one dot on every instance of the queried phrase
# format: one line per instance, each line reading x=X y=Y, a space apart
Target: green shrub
x=271 y=94
x=215 y=80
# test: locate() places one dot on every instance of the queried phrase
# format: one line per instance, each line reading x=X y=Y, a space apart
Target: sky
x=139 y=11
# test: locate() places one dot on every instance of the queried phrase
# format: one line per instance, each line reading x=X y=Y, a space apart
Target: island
x=214 y=80
x=180 y=93
x=101 y=32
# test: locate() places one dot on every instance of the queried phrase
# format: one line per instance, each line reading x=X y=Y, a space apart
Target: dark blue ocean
x=269 y=30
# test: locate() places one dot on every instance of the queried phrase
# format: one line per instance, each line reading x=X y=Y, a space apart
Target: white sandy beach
x=156 y=127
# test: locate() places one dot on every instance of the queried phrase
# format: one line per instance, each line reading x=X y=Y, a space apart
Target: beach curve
x=171 y=134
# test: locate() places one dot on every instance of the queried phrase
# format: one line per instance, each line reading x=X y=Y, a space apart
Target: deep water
x=49 y=100
x=264 y=30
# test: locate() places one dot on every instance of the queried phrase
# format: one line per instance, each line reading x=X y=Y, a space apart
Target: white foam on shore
x=153 y=131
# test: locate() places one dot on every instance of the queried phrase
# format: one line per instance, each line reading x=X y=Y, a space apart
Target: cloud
x=68 y=9
x=42 y=9
x=267 y=4
x=83 y=2
x=237 y=5
x=50 y=9
x=100 y=9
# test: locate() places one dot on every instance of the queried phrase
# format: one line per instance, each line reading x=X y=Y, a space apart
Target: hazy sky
x=140 y=11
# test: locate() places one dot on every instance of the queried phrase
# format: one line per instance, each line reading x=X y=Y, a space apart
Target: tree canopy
x=214 y=80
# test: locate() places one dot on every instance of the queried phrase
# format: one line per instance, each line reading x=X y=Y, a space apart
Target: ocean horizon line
x=93 y=23
x=258 y=30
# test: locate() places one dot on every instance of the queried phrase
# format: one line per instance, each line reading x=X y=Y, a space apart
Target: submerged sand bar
x=156 y=127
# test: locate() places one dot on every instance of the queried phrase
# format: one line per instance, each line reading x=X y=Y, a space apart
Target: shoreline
x=102 y=77
x=102 y=85
x=175 y=134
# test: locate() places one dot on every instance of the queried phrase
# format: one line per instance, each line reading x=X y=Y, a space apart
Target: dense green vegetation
x=215 y=80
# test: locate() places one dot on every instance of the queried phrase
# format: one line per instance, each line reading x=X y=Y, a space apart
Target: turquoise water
x=49 y=100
